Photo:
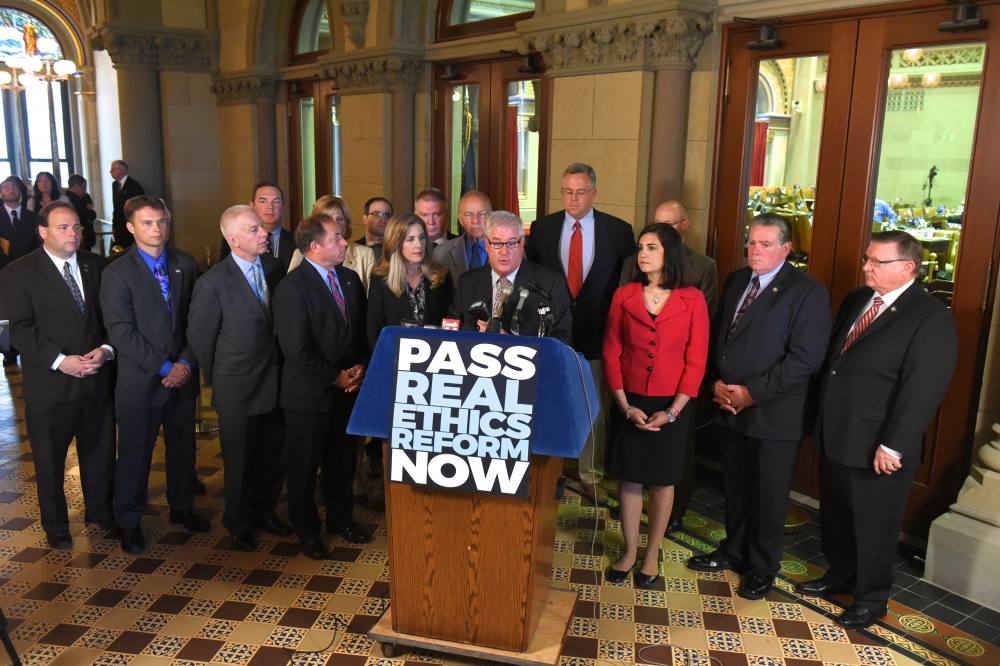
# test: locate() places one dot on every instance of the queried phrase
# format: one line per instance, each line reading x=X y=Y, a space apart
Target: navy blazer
x=27 y=235
x=775 y=351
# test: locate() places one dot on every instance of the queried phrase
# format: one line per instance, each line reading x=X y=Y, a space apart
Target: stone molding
x=246 y=89
x=667 y=43
x=393 y=73
x=355 y=15
x=181 y=50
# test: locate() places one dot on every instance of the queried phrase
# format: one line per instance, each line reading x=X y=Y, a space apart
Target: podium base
x=544 y=647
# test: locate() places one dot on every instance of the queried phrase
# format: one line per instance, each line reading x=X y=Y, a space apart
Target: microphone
x=493 y=325
x=537 y=288
x=480 y=310
x=515 y=322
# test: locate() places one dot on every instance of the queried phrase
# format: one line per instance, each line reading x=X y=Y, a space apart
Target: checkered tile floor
x=190 y=599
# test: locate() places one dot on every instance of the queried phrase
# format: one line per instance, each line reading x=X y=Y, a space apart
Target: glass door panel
x=464 y=145
x=521 y=149
x=307 y=152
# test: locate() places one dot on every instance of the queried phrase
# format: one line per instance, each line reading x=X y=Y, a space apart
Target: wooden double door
x=863 y=122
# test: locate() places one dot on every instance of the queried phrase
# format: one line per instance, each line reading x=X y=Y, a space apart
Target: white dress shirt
x=74 y=269
x=11 y=211
x=587 y=233
x=764 y=280
x=888 y=299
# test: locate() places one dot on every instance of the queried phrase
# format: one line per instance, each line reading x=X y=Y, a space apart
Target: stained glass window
x=21 y=34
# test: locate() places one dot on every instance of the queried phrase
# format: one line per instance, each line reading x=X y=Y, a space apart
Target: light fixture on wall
x=819 y=85
x=767 y=35
x=967 y=17
x=930 y=80
x=913 y=55
x=899 y=81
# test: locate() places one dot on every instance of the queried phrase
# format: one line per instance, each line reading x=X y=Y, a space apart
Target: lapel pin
x=892 y=309
x=774 y=289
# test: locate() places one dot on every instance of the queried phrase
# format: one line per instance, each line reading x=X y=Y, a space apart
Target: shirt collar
x=469 y=242
x=121 y=183
x=59 y=262
x=11 y=210
x=323 y=272
x=150 y=260
x=510 y=278
x=890 y=297
x=767 y=277
x=586 y=221
x=245 y=266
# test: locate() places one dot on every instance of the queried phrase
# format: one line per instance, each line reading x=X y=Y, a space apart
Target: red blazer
x=661 y=357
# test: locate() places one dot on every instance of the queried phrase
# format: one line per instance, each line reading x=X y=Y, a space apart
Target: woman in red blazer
x=655 y=349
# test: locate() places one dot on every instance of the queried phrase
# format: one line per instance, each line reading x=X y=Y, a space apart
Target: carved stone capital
x=355 y=15
x=246 y=89
x=190 y=50
x=668 y=43
x=386 y=74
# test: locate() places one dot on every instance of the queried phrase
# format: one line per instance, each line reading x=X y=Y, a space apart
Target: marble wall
x=366 y=137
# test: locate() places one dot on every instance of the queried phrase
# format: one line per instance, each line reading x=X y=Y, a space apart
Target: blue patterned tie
x=161 y=276
x=262 y=294
x=477 y=257
x=73 y=286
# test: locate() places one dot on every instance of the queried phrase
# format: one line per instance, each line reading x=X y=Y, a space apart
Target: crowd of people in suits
x=282 y=328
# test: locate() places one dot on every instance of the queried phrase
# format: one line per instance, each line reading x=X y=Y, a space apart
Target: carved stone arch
x=268 y=32
x=412 y=20
x=777 y=84
x=66 y=27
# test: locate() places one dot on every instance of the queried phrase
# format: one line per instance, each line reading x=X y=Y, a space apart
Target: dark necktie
x=754 y=286
x=270 y=246
x=477 y=257
x=161 y=276
x=15 y=222
x=73 y=286
x=337 y=296
x=866 y=319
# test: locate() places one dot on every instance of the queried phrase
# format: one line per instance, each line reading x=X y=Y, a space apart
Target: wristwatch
x=671 y=416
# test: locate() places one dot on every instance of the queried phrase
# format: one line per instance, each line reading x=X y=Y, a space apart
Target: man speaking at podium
x=509 y=291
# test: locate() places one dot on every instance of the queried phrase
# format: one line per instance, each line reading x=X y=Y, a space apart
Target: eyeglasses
x=496 y=245
x=482 y=215
x=877 y=263
x=384 y=216
x=576 y=194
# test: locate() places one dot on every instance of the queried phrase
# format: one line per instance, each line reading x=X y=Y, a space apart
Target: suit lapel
x=149 y=281
x=884 y=318
x=176 y=287
x=89 y=290
x=763 y=296
x=602 y=239
x=245 y=291
x=322 y=289
x=458 y=254
x=58 y=283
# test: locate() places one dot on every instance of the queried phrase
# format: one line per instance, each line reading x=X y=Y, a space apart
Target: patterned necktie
x=161 y=276
x=372 y=242
x=754 y=286
x=73 y=286
x=262 y=294
x=866 y=319
x=337 y=296
x=270 y=246
x=574 y=272
x=15 y=222
x=496 y=298
x=477 y=257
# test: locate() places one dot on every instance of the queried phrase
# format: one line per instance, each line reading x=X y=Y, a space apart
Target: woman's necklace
x=656 y=298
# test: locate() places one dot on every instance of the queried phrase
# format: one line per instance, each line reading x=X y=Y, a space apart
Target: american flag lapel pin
x=892 y=309
x=775 y=289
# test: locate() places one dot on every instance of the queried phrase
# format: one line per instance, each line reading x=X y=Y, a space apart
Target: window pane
x=521 y=155
x=785 y=145
x=928 y=126
x=22 y=34
x=468 y=11
x=5 y=169
x=57 y=92
x=464 y=143
x=307 y=143
x=314 y=31
x=37 y=111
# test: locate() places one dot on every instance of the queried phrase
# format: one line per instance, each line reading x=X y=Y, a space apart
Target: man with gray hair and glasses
x=468 y=251
x=479 y=292
x=587 y=248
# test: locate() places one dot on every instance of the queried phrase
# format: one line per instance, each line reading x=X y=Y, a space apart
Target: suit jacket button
x=649 y=369
x=723 y=357
x=652 y=330
x=833 y=372
x=650 y=356
x=652 y=342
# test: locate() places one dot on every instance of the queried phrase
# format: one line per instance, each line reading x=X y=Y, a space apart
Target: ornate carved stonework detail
x=387 y=73
x=355 y=15
x=190 y=51
x=246 y=90
x=937 y=57
x=670 y=42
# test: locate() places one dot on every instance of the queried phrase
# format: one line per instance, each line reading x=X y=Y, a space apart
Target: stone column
x=267 y=140
x=402 y=149
x=141 y=125
x=669 y=137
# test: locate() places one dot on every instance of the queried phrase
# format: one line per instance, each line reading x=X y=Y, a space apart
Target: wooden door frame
x=321 y=92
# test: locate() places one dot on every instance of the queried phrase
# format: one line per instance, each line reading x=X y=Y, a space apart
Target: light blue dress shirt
x=764 y=279
x=247 y=268
x=587 y=231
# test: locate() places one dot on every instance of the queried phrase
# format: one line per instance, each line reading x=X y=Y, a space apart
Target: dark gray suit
x=146 y=335
x=232 y=336
x=451 y=255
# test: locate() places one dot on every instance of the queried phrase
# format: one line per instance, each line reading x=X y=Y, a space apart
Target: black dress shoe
x=820 y=587
x=133 y=542
x=715 y=561
x=274 y=526
x=106 y=524
x=352 y=533
x=244 y=541
x=756 y=584
x=374 y=468
x=191 y=521
x=859 y=617
x=60 y=540
x=675 y=524
x=644 y=581
x=199 y=487
x=313 y=548
x=617 y=576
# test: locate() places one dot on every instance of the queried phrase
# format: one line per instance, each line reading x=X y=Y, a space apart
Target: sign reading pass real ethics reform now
x=462 y=415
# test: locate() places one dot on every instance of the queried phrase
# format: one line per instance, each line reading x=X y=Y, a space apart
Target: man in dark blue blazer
x=17 y=228
x=587 y=248
x=890 y=359
x=145 y=298
x=768 y=341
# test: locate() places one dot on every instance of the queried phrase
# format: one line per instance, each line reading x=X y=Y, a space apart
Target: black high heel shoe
x=644 y=581
x=615 y=576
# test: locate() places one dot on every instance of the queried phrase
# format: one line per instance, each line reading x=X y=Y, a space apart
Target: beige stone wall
x=233 y=18
x=238 y=150
x=193 y=156
x=422 y=121
x=184 y=14
x=698 y=158
x=604 y=120
x=366 y=135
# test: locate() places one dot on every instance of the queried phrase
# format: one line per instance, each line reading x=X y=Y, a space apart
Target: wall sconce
x=913 y=55
x=819 y=85
x=930 y=80
x=899 y=81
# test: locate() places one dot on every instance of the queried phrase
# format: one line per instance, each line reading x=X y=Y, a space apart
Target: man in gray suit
x=699 y=271
x=468 y=250
x=231 y=332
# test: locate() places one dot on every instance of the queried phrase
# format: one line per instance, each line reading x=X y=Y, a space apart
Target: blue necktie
x=161 y=276
x=477 y=257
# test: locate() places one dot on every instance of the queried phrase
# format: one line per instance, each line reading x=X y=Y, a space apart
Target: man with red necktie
x=890 y=359
x=588 y=248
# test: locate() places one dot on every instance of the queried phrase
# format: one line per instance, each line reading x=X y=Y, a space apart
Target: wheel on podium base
x=387 y=649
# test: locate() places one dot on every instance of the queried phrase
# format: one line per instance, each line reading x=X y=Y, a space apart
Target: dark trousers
x=757 y=474
x=314 y=441
x=253 y=456
x=51 y=429
x=684 y=489
x=137 y=431
x=861 y=515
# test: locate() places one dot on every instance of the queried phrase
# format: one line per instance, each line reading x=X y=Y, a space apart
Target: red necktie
x=574 y=272
x=866 y=319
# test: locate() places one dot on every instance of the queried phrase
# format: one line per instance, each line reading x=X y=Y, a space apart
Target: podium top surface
x=566 y=401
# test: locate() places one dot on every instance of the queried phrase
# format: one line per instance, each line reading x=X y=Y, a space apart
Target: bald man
x=699 y=271
x=468 y=251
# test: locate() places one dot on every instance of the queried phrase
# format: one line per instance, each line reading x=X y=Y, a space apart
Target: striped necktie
x=73 y=286
x=867 y=318
x=262 y=294
x=337 y=296
x=754 y=286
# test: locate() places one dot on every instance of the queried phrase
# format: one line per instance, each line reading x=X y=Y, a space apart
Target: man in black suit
x=432 y=207
x=891 y=357
x=231 y=333
x=320 y=314
x=588 y=248
x=145 y=299
x=377 y=213
x=768 y=340
x=468 y=251
x=124 y=188
x=505 y=250
x=17 y=231
x=76 y=192
x=269 y=203
x=50 y=297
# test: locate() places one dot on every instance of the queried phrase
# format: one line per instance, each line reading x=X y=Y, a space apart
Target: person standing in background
x=77 y=194
x=468 y=251
x=268 y=201
x=377 y=213
x=123 y=188
x=432 y=207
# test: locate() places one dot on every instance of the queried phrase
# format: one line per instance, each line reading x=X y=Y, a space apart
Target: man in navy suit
x=17 y=227
x=588 y=248
x=768 y=340
x=124 y=188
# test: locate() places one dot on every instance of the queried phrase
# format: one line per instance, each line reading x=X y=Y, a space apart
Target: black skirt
x=649 y=458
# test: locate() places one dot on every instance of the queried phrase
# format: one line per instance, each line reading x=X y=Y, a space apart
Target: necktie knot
x=866 y=319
